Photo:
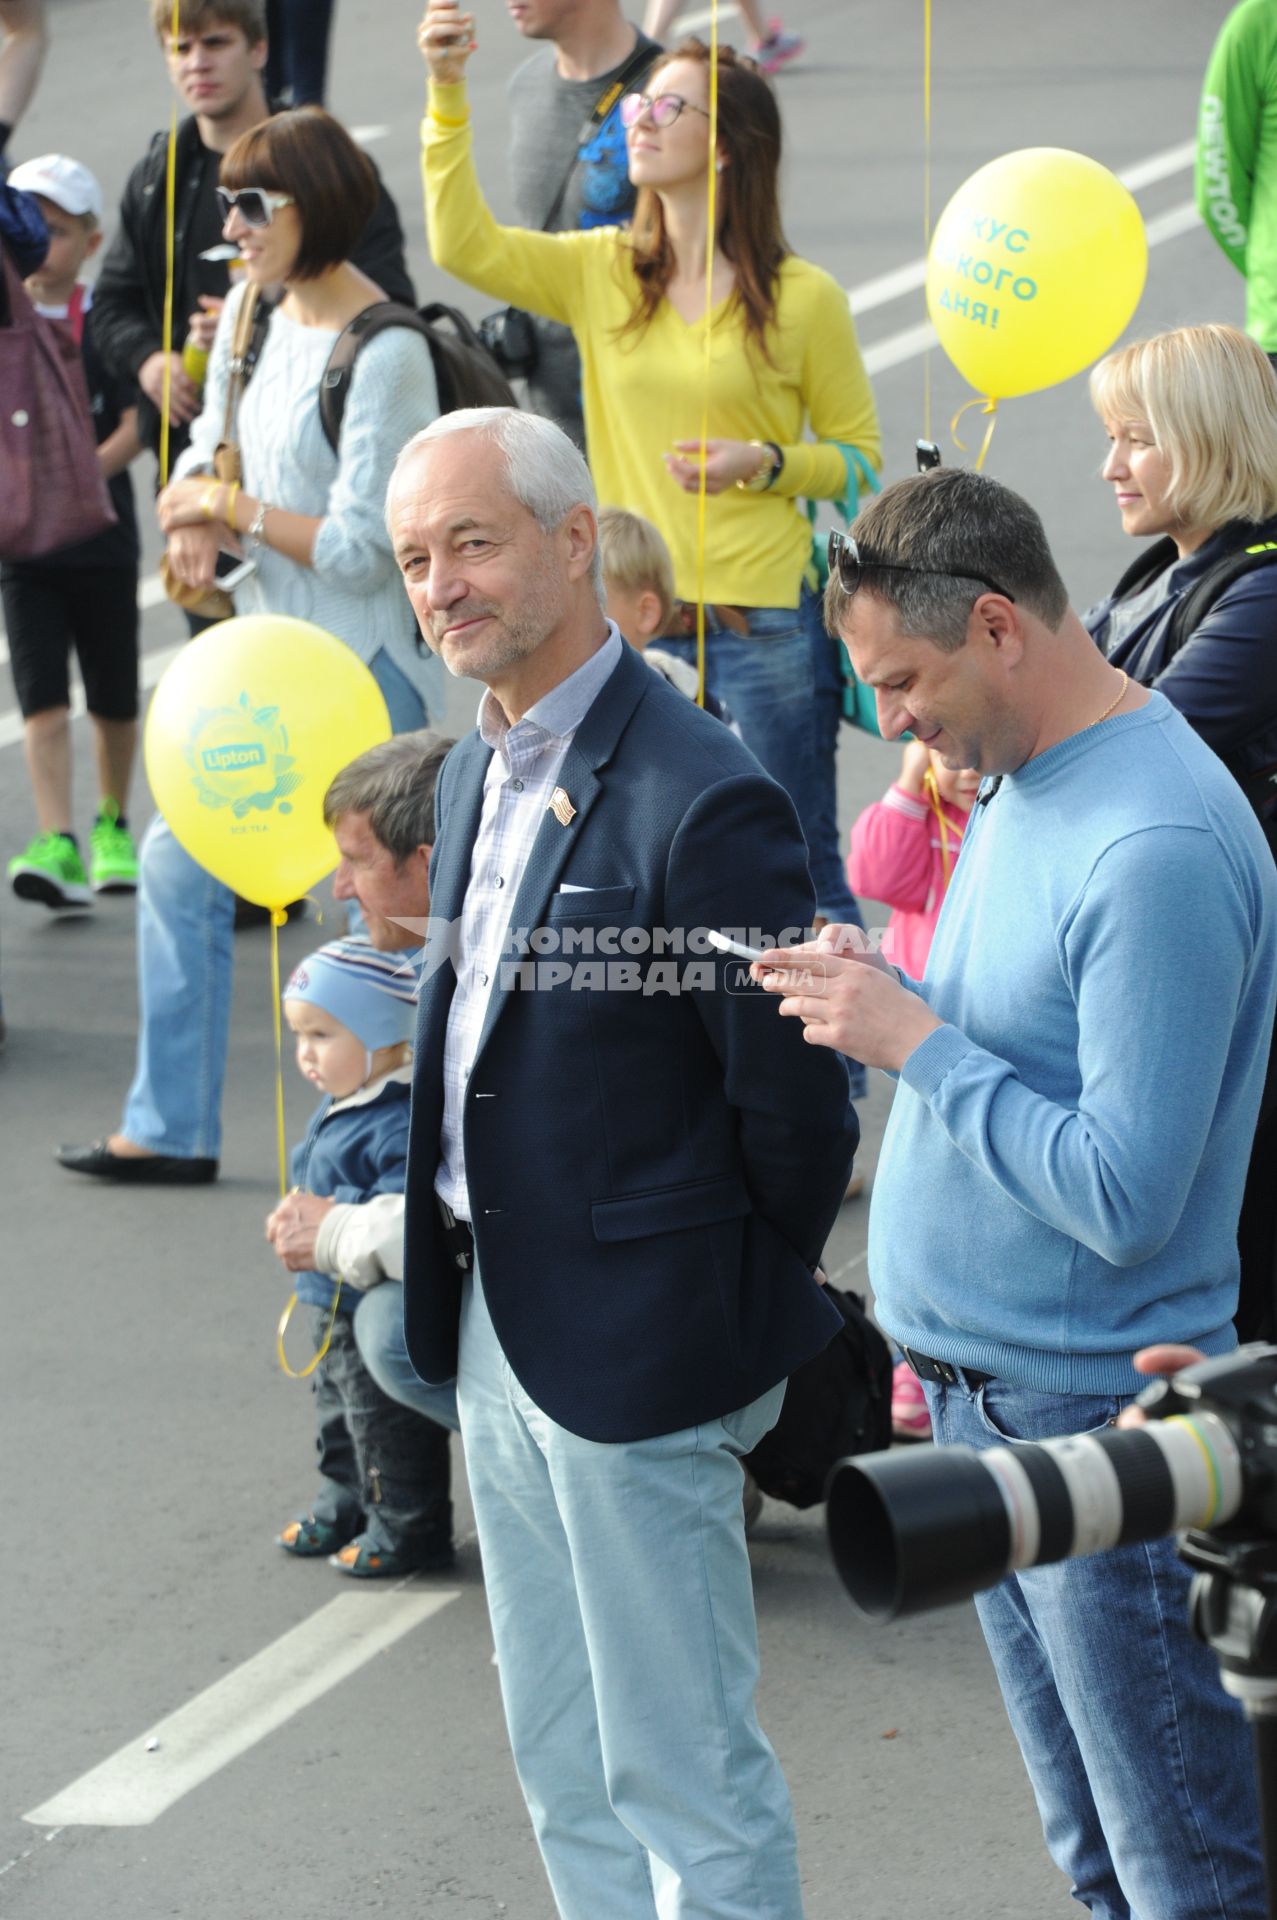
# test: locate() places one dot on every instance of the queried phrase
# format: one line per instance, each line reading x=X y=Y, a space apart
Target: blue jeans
x=1140 y=1761
x=298 y=33
x=379 y=1336
x=783 y=684
x=185 y=934
x=619 y=1591
x=384 y=1472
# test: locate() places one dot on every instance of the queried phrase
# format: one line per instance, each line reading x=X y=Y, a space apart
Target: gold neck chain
x=1114 y=704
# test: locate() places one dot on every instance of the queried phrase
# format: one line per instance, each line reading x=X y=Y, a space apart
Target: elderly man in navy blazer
x=621 y=1176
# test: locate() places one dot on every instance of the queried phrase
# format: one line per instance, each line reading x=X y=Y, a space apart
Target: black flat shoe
x=155 y=1169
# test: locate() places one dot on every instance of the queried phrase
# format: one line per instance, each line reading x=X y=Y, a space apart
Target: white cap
x=62 y=180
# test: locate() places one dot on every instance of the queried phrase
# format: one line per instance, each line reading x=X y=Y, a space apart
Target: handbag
x=859 y=705
x=54 y=494
x=837 y=1404
x=213 y=603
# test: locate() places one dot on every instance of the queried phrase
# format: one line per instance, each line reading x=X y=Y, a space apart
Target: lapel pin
x=561 y=807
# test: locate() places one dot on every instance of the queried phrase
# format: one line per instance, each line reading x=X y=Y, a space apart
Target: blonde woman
x=1191 y=417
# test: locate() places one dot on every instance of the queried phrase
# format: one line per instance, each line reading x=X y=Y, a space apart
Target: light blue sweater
x=1063 y=1167
x=353 y=587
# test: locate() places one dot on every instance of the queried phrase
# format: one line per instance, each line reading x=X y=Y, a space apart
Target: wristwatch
x=771 y=461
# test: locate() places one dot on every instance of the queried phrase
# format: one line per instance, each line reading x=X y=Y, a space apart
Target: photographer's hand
x=1166 y=1359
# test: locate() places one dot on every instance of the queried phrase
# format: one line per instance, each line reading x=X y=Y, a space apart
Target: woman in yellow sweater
x=783 y=360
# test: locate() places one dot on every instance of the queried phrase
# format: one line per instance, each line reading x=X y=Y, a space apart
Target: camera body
x=510 y=336
x=918 y=1529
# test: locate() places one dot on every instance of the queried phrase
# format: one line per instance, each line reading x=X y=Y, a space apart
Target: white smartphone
x=726 y=944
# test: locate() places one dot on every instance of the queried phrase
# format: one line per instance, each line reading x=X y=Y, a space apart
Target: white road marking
x=368 y=136
x=1142 y=173
x=135 y=1786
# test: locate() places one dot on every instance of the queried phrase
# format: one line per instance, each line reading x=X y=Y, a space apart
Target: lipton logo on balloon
x=239 y=758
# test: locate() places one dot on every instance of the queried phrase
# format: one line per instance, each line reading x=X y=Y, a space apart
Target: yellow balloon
x=1036 y=265
x=245 y=730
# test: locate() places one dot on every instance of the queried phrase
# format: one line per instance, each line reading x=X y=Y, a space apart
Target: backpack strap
x=334 y=387
x=1194 y=606
x=466 y=375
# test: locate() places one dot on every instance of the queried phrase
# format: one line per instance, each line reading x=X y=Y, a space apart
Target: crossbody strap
x=639 y=61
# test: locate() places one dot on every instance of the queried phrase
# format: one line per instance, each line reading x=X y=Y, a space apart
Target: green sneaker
x=112 y=854
x=51 y=871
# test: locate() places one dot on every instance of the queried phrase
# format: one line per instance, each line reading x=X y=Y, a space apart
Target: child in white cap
x=378 y=1511
x=83 y=596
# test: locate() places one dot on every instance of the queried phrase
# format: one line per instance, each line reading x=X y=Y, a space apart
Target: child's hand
x=915 y=765
x=446 y=38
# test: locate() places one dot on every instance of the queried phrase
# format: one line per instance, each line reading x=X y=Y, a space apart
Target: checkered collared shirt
x=521 y=777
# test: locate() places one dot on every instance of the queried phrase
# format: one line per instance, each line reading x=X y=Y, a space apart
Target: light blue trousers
x=623 y=1613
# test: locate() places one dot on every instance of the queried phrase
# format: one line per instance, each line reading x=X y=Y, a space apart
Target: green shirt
x=1237 y=156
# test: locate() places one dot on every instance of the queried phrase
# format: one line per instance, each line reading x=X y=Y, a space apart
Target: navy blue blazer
x=652 y=1175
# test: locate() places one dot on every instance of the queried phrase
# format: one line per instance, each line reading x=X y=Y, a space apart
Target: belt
x=940 y=1371
x=683 y=619
x=457 y=1236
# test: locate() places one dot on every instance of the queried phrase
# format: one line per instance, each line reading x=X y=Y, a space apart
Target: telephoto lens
x=936 y=1524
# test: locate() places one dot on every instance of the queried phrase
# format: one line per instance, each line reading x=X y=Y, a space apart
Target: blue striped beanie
x=372 y=993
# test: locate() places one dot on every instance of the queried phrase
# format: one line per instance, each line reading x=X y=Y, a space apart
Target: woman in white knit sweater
x=301 y=193
x=297 y=193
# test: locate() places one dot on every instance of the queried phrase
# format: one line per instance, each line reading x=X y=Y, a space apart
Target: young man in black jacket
x=216 y=64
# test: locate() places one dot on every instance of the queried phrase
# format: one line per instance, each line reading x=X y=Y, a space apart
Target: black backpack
x=839 y=1403
x=465 y=372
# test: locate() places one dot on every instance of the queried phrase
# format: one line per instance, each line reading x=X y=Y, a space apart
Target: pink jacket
x=897 y=856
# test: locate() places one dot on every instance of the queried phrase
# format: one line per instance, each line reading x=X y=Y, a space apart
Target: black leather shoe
x=155 y=1169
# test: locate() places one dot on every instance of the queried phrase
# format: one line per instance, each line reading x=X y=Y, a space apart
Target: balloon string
x=305 y=1372
x=278 y=919
x=986 y=405
x=170 y=223
x=926 y=197
x=711 y=223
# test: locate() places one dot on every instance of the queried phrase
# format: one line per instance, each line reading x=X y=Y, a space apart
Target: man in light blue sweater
x=1080 y=1073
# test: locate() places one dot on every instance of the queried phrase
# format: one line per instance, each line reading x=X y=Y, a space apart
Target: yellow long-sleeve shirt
x=644 y=392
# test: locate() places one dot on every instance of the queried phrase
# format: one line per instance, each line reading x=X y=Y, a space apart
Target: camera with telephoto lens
x=510 y=336
x=917 y=1529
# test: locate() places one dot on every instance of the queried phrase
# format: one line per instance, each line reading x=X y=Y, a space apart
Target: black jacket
x=1224 y=677
x=128 y=300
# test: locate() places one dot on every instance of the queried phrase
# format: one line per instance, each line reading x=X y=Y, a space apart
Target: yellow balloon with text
x=1035 y=267
x=244 y=733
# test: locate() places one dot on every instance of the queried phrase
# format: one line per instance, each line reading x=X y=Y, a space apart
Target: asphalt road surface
x=330 y=1750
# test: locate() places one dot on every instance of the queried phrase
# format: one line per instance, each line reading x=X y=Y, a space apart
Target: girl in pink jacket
x=902 y=852
x=903 y=849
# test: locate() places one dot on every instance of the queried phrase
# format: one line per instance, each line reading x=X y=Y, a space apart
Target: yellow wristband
x=207 y=498
x=232 y=495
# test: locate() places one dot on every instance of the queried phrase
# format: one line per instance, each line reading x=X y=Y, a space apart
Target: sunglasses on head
x=848 y=563
x=255 y=207
x=662 y=109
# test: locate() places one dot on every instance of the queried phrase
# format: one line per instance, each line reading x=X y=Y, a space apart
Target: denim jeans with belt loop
x=1140 y=1761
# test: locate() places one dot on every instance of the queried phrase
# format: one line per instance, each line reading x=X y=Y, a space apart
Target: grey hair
x=939 y=522
x=546 y=471
x=394 y=784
